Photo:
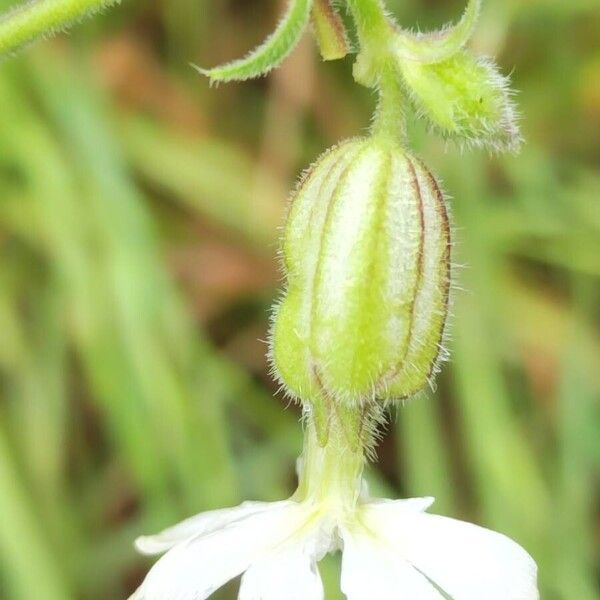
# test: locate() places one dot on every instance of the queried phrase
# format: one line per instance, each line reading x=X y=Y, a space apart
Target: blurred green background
x=139 y=216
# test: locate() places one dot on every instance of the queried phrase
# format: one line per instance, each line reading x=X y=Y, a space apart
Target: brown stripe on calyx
x=447 y=232
x=306 y=182
x=307 y=176
x=332 y=202
x=416 y=187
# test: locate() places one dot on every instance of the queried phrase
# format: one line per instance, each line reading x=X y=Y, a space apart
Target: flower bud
x=464 y=98
x=366 y=252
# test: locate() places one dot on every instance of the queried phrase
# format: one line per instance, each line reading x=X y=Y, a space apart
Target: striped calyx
x=367 y=252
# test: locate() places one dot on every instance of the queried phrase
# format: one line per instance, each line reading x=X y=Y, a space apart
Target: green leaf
x=273 y=50
x=330 y=31
x=438 y=45
x=32 y=20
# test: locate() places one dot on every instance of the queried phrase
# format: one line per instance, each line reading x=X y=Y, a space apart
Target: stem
x=32 y=20
x=390 y=118
x=375 y=66
x=331 y=474
x=371 y=20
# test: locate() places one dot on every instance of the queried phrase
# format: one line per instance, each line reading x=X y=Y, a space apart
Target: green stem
x=32 y=20
x=390 y=118
x=331 y=474
x=371 y=21
x=375 y=66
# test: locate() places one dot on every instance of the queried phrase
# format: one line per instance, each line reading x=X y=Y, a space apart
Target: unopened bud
x=464 y=98
x=367 y=254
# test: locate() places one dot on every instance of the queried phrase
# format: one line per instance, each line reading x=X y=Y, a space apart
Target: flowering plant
x=360 y=325
x=367 y=258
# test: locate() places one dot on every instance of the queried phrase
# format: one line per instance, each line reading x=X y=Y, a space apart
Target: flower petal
x=195 y=568
x=371 y=571
x=200 y=524
x=289 y=573
x=465 y=561
x=411 y=505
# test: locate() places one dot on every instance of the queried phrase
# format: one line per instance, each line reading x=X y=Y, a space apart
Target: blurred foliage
x=139 y=215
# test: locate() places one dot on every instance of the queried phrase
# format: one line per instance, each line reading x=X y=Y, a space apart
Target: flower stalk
x=375 y=34
x=372 y=25
x=330 y=474
x=375 y=67
x=390 y=115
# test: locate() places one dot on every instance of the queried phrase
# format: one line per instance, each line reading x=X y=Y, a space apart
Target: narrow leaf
x=32 y=20
x=273 y=50
x=330 y=30
x=438 y=45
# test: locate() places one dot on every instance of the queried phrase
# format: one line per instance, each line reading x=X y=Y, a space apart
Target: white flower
x=391 y=550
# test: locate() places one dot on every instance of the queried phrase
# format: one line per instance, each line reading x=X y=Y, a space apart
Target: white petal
x=411 y=505
x=370 y=571
x=466 y=562
x=200 y=524
x=194 y=569
x=290 y=572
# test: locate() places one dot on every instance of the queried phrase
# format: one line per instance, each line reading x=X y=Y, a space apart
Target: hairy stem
x=390 y=118
x=332 y=473
x=375 y=66
x=39 y=18
x=371 y=21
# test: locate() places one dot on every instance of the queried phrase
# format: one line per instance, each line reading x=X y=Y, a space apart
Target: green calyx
x=367 y=254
